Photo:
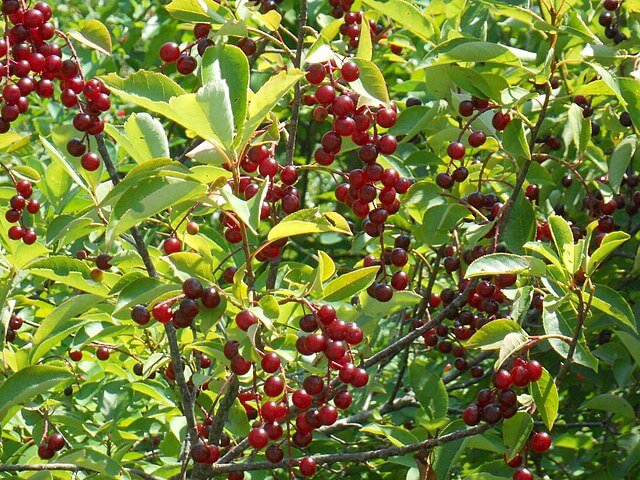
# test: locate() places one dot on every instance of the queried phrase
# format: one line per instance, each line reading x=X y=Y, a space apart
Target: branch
x=328 y=459
x=170 y=330
x=67 y=467
x=297 y=96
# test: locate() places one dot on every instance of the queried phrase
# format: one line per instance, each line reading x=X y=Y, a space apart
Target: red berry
x=258 y=438
x=535 y=370
x=471 y=415
x=350 y=71
x=171 y=245
x=308 y=466
x=522 y=474
x=245 y=319
x=502 y=379
x=455 y=150
x=540 y=442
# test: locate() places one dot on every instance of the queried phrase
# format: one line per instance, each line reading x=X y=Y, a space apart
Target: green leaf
x=492 y=335
x=270 y=307
x=248 y=211
x=265 y=99
x=149 y=90
x=555 y=323
x=439 y=220
x=346 y=286
x=514 y=140
x=612 y=303
x=484 y=52
x=521 y=225
x=370 y=84
x=365 y=47
x=619 y=161
x=404 y=14
x=305 y=222
x=143 y=137
x=632 y=344
x=198 y=11
x=609 y=244
x=608 y=402
x=579 y=127
x=545 y=396
x=58 y=157
x=46 y=336
x=208 y=113
x=27 y=384
x=94 y=35
x=147 y=198
x=228 y=64
x=141 y=291
x=562 y=237
x=515 y=433
x=93 y=460
x=71 y=272
x=432 y=395
x=326 y=269
x=445 y=456
x=505 y=263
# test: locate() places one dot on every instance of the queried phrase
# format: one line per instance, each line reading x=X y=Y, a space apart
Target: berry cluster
x=456 y=150
x=194 y=295
x=31 y=65
x=266 y=5
x=20 y=203
x=186 y=63
x=15 y=323
x=502 y=402
x=610 y=20
x=397 y=257
x=50 y=445
x=307 y=407
x=539 y=442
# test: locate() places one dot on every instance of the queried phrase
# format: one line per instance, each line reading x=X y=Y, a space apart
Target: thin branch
x=297 y=96
x=67 y=467
x=328 y=459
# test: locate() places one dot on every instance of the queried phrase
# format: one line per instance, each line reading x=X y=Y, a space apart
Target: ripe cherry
x=171 y=245
x=471 y=415
x=522 y=474
x=308 y=466
x=455 y=150
x=540 y=442
x=258 y=438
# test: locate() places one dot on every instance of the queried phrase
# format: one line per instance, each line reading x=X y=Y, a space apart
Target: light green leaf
x=505 y=263
x=72 y=272
x=265 y=99
x=439 y=220
x=609 y=244
x=94 y=35
x=198 y=11
x=632 y=343
x=579 y=127
x=228 y=64
x=143 y=137
x=93 y=460
x=545 y=396
x=270 y=307
x=58 y=157
x=305 y=222
x=492 y=335
x=365 y=47
x=149 y=90
x=484 y=52
x=405 y=14
x=147 y=198
x=27 y=384
x=370 y=84
x=347 y=285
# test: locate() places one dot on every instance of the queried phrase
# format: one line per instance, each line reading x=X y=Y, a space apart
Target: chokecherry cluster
x=181 y=310
x=492 y=405
x=20 y=203
x=50 y=445
x=315 y=403
x=32 y=64
x=610 y=20
x=382 y=289
x=15 y=323
x=539 y=442
x=186 y=63
x=456 y=150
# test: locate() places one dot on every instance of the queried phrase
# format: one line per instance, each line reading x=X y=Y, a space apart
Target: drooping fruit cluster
x=390 y=259
x=539 y=442
x=473 y=108
x=188 y=306
x=186 y=63
x=32 y=64
x=15 y=323
x=50 y=445
x=20 y=203
x=610 y=20
x=492 y=405
x=315 y=402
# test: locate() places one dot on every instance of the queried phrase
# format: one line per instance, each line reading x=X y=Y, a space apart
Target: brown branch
x=67 y=467
x=328 y=459
x=170 y=330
